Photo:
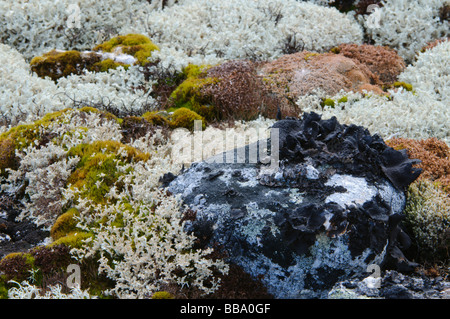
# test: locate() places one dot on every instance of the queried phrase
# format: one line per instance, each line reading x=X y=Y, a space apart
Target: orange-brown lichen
x=382 y=61
x=434 y=43
x=435 y=157
x=301 y=73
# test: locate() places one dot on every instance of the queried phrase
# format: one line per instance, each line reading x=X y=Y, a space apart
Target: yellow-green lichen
x=137 y=45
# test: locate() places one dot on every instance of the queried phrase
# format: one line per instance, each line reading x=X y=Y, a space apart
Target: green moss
x=137 y=45
x=189 y=89
x=105 y=114
x=98 y=168
x=64 y=224
x=107 y=64
x=73 y=239
x=7 y=155
x=56 y=64
x=328 y=102
x=3 y=290
x=183 y=117
x=22 y=136
x=25 y=135
x=343 y=99
x=162 y=295
x=308 y=56
x=406 y=86
x=155 y=118
x=335 y=50
x=188 y=93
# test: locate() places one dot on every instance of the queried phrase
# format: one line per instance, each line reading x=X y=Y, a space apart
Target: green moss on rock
x=137 y=45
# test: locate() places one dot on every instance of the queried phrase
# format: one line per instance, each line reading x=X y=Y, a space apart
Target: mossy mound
x=137 y=45
x=57 y=64
x=232 y=90
x=65 y=224
x=189 y=95
x=428 y=218
x=185 y=118
x=119 y=51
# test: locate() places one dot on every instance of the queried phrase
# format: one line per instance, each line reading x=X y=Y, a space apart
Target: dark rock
x=392 y=285
x=17 y=236
x=331 y=206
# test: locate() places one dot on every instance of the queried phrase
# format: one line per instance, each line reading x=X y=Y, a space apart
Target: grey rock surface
x=330 y=208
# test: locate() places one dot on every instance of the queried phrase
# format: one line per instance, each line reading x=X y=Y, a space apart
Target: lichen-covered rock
x=392 y=285
x=331 y=206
